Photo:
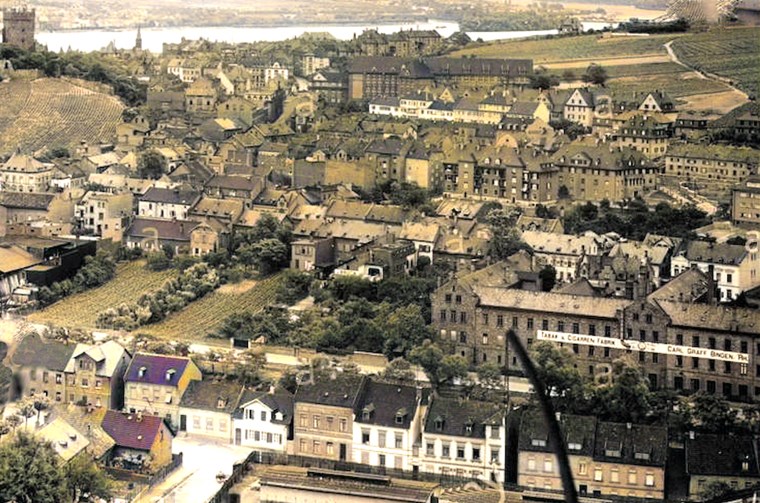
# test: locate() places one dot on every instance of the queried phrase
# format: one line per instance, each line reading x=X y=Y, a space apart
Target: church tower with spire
x=138 y=40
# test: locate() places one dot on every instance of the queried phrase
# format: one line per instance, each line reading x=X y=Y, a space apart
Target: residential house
x=206 y=408
x=95 y=375
x=464 y=439
x=24 y=173
x=714 y=169
x=153 y=234
x=330 y=85
x=40 y=366
x=387 y=426
x=104 y=214
x=657 y=101
x=324 y=412
x=734 y=268
x=66 y=441
x=649 y=134
x=201 y=97
x=21 y=207
x=714 y=458
x=166 y=203
x=155 y=385
x=745 y=203
x=580 y=107
x=232 y=186
x=264 y=421
x=142 y=442
x=564 y=252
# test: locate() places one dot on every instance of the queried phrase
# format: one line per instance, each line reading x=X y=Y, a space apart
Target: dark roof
x=132 y=430
x=337 y=390
x=232 y=182
x=388 y=405
x=170 y=196
x=717 y=253
x=461 y=418
x=216 y=396
x=711 y=454
x=279 y=401
x=479 y=66
x=631 y=444
x=156 y=368
x=577 y=430
x=32 y=351
x=175 y=230
x=387 y=146
x=26 y=200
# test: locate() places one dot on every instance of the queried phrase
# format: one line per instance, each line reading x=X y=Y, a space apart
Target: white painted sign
x=647 y=347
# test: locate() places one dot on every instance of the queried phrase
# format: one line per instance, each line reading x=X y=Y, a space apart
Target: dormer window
x=438 y=423
x=613 y=449
x=367 y=412
x=169 y=374
x=745 y=465
x=538 y=442
x=400 y=416
x=574 y=446
x=221 y=403
x=141 y=372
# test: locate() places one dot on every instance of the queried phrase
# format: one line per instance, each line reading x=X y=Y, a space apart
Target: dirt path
x=631 y=60
x=702 y=74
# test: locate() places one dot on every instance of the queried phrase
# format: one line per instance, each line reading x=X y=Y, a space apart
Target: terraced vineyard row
x=730 y=53
x=204 y=316
x=676 y=85
x=571 y=48
x=56 y=113
x=80 y=311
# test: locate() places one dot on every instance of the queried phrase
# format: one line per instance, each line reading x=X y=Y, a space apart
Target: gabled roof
x=388 y=405
x=551 y=302
x=577 y=430
x=133 y=431
x=32 y=351
x=715 y=253
x=66 y=440
x=26 y=200
x=631 y=444
x=170 y=196
x=722 y=455
x=337 y=390
x=278 y=402
x=154 y=369
x=107 y=356
x=14 y=258
x=25 y=164
x=710 y=317
x=461 y=418
x=212 y=396
x=175 y=230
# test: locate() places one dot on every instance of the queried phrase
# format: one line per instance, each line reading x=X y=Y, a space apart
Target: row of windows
x=329 y=423
x=263 y=436
x=382 y=439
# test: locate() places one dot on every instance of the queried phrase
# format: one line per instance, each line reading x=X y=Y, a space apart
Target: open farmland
x=586 y=47
x=677 y=85
x=81 y=310
x=54 y=113
x=204 y=316
x=733 y=54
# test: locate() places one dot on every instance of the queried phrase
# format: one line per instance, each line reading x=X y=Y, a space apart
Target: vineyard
x=131 y=281
x=571 y=48
x=730 y=53
x=207 y=314
x=677 y=85
x=54 y=113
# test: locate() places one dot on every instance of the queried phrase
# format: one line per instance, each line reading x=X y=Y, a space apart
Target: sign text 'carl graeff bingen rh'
x=647 y=347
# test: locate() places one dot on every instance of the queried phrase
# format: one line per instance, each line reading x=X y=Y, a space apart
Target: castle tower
x=138 y=40
x=18 y=27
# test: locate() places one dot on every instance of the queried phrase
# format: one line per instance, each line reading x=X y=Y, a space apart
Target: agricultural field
x=730 y=53
x=81 y=310
x=586 y=47
x=204 y=316
x=54 y=113
x=677 y=85
x=618 y=71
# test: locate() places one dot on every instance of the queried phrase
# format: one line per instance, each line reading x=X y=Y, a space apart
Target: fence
x=144 y=478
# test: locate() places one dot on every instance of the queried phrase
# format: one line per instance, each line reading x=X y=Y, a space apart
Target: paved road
x=195 y=481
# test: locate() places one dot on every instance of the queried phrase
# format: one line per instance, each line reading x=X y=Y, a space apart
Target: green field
x=615 y=71
x=81 y=310
x=571 y=48
x=206 y=315
x=674 y=84
x=731 y=53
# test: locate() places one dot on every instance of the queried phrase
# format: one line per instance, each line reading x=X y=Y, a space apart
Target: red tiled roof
x=132 y=430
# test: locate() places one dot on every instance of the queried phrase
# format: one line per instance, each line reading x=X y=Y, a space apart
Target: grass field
x=616 y=71
x=205 y=315
x=571 y=48
x=81 y=310
x=730 y=53
x=54 y=113
x=677 y=85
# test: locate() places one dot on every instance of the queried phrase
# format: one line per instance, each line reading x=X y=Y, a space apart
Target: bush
x=95 y=271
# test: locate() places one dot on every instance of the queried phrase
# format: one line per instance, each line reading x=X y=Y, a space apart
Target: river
x=154 y=38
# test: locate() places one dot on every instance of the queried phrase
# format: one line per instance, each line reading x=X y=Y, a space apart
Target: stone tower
x=138 y=40
x=18 y=27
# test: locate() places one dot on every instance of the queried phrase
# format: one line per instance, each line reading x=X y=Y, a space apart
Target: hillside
x=54 y=113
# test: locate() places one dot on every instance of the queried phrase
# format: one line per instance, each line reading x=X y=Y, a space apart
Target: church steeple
x=138 y=40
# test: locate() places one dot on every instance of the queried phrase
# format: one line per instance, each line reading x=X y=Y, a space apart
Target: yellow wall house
x=142 y=441
x=155 y=384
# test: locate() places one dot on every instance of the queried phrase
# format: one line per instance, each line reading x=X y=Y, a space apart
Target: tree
x=294 y=287
x=714 y=489
x=151 y=165
x=595 y=74
x=398 y=369
x=85 y=481
x=405 y=329
x=548 y=277
x=489 y=374
x=25 y=410
x=453 y=367
x=40 y=403
x=563 y=383
x=563 y=192
x=543 y=81
x=270 y=255
x=30 y=472
x=248 y=370
x=712 y=414
x=428 y=356
x=506 y=239
x=628 y=399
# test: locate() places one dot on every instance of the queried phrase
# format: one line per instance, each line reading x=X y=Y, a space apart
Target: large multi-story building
x=18 y=27
x=681 y=340
x=24 y=173
x=745 y=203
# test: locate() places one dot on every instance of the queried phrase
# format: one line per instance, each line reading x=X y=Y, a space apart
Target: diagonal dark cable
x=555 y=437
